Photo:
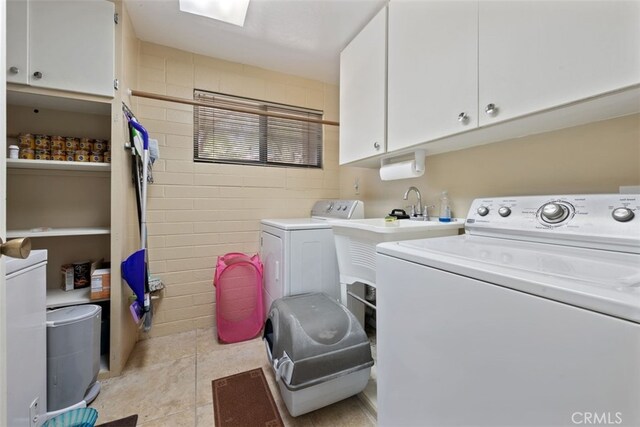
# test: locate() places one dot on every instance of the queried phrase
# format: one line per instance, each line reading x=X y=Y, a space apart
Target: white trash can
x=73 y=355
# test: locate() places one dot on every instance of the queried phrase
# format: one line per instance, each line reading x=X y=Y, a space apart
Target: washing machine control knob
x=554 y=212
x=622 y=214
x=330 y=207
x=504 y=211
x=483 y=211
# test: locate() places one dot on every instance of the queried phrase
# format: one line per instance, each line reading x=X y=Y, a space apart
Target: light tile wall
x=198 y=211
x=594 y=158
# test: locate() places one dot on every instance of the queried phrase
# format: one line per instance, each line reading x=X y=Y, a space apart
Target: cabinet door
x=534 y=55
x=17 y=42
x=432 y=70
x=72 y=45
x=363 y=92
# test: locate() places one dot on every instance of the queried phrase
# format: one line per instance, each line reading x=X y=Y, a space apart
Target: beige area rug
x=244 y=399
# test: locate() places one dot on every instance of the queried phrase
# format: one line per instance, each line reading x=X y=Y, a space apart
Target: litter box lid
x=321 y=337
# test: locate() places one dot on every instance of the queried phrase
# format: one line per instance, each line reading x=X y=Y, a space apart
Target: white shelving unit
x=58 y=232
x=59 y=298
x=57 y=165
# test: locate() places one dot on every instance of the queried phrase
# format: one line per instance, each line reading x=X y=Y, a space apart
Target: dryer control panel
x=338 y=209
x=602 y=221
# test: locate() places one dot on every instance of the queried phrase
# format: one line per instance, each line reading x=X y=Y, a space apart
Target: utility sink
x=356 y=241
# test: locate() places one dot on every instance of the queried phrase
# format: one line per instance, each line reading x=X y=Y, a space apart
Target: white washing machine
x=299 y=254
x=532 y=318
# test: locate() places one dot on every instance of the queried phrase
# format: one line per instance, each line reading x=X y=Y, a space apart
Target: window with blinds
x=224 y=136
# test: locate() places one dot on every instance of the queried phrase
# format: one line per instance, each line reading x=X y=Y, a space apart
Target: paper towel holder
x=420 y=156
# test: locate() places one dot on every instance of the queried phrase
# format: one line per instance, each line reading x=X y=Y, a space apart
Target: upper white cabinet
x=534 y=55
x=65 y=45
x=432 y=70
x=363 y=77
x=455 y=68
x=17 y=42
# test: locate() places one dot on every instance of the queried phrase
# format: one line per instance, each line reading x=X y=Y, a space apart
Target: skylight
x=230 y=11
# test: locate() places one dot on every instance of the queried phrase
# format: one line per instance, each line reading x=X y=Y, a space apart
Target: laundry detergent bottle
x=445 y=209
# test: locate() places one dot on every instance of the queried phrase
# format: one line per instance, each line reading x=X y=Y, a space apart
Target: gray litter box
x=319 y=352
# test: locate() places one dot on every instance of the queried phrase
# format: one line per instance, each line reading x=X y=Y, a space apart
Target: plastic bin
x=239 y=307
x=73 y=354
x=319 y=352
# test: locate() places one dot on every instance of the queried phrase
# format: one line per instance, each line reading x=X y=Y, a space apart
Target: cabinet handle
x=491 y=109
x=14 y=70
x=37 y=75
x=376 y=145
x=463 y=118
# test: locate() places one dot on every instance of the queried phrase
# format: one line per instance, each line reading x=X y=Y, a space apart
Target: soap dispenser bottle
x=445 y=209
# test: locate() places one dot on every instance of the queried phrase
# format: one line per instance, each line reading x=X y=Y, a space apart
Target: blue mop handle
x=145 y=135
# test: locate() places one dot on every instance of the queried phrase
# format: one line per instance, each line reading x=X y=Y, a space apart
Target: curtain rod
x=158 y=97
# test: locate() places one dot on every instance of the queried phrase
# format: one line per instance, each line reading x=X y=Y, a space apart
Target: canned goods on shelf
x=43 y=142
x=71 y=143
x=59 y=155
x=26 y=140
x=43 y=155
x=85 y=145
x=81 y=156
x=96 y=157
x=70 y=156
x=27 y=153
x=99 y=146
x=57 y=143
x=107 y=157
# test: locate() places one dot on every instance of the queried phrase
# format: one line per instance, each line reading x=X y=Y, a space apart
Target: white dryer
x=299 y=254
x=532 y=318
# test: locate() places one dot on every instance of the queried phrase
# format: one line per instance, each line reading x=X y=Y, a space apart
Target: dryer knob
x=483 y=211
x=622 y=214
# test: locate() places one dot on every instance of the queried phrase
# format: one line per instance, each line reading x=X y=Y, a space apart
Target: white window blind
x=224 y=136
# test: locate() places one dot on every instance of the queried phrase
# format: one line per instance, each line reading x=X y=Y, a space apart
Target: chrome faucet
x=418 y=211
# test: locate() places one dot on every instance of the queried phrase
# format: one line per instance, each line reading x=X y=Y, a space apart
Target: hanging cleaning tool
x=134 y=273
x=135 y=267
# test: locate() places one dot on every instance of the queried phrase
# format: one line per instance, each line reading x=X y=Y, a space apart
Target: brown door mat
x=130 y=421
x=244 y=399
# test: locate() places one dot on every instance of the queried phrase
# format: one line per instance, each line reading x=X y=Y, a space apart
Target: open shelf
x=59 y=298
x=56 y=232
x=57 y=165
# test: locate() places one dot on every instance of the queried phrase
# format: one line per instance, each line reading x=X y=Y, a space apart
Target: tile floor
x=167 y=382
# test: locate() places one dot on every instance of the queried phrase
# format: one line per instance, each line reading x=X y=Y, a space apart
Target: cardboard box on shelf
x=79 y=275
x=101 y=283
x=67 y=277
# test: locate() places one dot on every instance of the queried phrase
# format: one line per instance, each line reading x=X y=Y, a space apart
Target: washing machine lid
x=297 y=223
x=603 y=281
x=67 y=315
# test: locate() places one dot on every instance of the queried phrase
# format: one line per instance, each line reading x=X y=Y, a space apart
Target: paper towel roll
x=400 y=170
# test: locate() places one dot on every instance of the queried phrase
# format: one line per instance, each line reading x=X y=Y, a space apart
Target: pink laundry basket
x=239 y=310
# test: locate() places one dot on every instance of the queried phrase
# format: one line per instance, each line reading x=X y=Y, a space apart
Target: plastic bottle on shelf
x=445 y=209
